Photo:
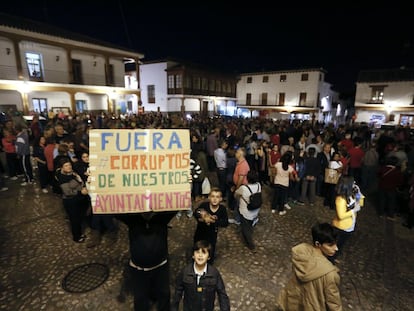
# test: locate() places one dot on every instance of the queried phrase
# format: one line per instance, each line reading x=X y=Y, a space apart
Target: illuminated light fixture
x=24 y=88
x=388 y=108
x=112 y=95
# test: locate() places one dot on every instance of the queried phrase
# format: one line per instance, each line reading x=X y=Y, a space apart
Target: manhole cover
x=85 y=278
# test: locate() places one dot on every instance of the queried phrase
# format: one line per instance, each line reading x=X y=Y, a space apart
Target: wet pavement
x=37 y=253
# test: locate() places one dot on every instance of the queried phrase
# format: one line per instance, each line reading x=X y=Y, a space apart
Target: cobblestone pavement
x=37 y=253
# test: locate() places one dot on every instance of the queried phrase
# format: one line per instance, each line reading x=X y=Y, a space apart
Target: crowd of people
x=290 y=157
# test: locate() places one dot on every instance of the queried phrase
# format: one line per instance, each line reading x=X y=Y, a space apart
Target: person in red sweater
x=274 y=157
x=9 y=147
x=356 y=156
x=346 y=143
x=49 y=150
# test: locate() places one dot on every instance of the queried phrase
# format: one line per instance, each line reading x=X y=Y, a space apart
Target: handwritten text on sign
x=136 y=171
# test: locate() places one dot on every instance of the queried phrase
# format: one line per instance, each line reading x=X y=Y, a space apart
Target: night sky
x=236 y=37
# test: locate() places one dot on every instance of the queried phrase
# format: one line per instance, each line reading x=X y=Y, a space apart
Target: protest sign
x=135 y=171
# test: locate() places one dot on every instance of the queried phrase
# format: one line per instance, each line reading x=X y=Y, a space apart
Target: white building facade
x=45 y=69
x=170 y=86
x=300 y=94
x=385 y=96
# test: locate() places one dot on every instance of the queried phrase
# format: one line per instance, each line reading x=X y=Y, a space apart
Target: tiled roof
x=42 y=28
x=386 y=75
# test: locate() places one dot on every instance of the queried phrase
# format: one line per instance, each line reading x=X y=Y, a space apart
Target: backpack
x=255 y=199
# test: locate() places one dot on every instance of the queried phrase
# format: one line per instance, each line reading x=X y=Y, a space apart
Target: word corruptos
x=150 y=161
x=140 y=141
x=141 y=202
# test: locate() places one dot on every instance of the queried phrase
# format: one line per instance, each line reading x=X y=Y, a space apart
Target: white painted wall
x=155 y=74
x=8 y=69
x=292 y=88
x=397 y=95
x=53 y=71
x=174 y=104
x=93 y=101
x=54 y=99
x=11 y=98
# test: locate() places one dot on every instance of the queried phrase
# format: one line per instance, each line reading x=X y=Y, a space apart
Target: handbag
x=331 y=176
x=205 y=186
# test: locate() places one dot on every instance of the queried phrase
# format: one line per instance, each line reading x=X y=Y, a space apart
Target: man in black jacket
x=148 y=246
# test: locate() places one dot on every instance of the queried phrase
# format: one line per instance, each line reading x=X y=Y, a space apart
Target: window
x=151 y=94
x=407 y=119
x=81 y=105
x=170 y=81
x=305 y=77
x=265 y=79
x=282 y=78
x=249 y=79
x=39 y=105
x=224 y=86
x=377 y=93
x=302 y=99
x=248 y=99
x=204 y=84
x=218 y=85
x=196 y=83
x=110 y=75
x=34 y=66
x=187 y=82
x=264 y=99
x=77 y=71
x=212 y=84
x=178 y=81
x=281 y=99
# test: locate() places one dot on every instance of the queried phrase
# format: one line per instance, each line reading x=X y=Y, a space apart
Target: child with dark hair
x=315 y=283
x=199 y=282
x=210 y=215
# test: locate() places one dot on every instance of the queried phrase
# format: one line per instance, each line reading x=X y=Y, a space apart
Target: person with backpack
x=249 y=198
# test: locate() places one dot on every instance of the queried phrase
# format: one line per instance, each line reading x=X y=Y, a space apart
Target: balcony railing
x=58 y=76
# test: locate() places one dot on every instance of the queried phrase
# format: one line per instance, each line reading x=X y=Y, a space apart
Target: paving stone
x=37 y=252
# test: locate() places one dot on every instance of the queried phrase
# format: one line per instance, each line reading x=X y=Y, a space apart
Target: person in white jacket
x=248 y=217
